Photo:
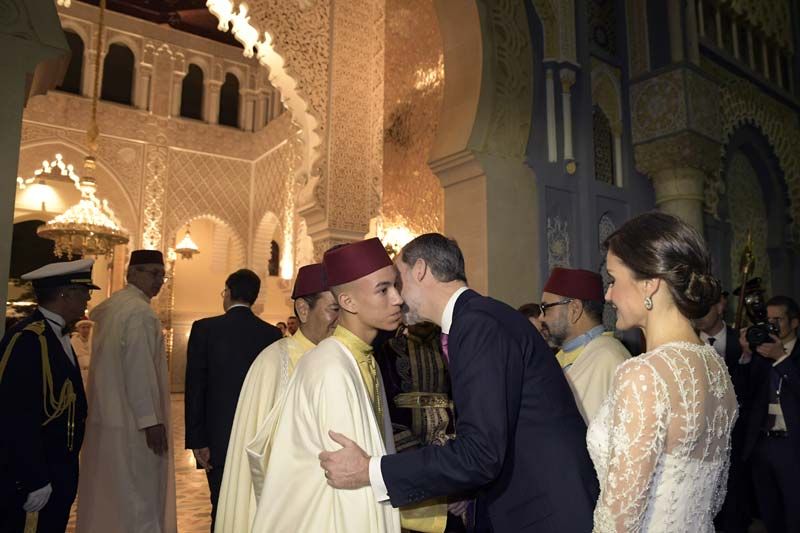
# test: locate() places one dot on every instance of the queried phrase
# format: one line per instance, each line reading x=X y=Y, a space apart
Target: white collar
x=788 y=348
x=237 y=305
x=719 y=333
x=447 y=315
x=53 y=317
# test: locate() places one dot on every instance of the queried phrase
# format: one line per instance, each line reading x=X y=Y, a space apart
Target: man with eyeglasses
x=572 y=311
x=771 y=411
x=129 y=472
x=43 y=409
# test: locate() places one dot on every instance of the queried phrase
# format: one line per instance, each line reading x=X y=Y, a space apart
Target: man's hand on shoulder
x=347 y=468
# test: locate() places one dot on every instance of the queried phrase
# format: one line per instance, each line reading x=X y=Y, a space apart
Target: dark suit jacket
x=739 y=377
x=520 y=440
x=220 y=352
x=758 y=398
x=31 y=453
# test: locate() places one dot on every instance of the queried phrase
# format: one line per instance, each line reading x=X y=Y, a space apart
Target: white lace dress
x=661 y=442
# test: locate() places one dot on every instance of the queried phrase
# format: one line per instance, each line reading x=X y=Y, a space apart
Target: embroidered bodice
x=661 y=441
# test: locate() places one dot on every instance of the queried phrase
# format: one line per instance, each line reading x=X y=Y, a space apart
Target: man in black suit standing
x=772 y=432
x=220 y=352
x=520 y=440
x=734 y=517
x=42 y=403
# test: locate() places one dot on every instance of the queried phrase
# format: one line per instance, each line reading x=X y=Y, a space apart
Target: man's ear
x=420 y=269
x=302 y=310
x=346 y=301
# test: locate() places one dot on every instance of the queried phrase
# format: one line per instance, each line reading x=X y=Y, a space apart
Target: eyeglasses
x=544 y=307
x=157 y=274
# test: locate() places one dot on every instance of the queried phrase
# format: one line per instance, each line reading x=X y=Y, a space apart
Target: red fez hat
x=354 y=261
x=146 y=257
x=310 y=280
x=575 y=283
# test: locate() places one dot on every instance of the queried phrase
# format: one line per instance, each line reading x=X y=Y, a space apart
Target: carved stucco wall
x=200 y=184
x=741 y=103
x=414 y=86
x=323 y=45
x=774 y=18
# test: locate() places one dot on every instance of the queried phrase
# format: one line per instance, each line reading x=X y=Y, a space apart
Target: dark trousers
x=54 y=516
x=214 y=483
x=776 y=481
x=735 y=515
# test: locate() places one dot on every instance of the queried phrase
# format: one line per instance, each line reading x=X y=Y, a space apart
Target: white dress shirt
x=720 y=339
x=375 y=474
x=57 y=323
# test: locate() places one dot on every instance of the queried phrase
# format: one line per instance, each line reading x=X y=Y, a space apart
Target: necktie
x=444 y=347
x=711 y=341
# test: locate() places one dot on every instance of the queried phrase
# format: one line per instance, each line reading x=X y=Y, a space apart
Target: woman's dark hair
x=658 y=245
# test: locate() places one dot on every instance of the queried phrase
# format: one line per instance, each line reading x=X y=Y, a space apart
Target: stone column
x=211 y=102
x=679 y=192
x=678 y=147
x=36 y=55
x=567 y=81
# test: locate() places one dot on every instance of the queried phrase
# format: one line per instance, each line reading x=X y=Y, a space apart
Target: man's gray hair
x=442 y=255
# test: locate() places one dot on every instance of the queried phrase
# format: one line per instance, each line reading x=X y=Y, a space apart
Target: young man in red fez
x=336 y=386
x=572 y=309
x=128 y=469
x=520 y=442
x=266 y=380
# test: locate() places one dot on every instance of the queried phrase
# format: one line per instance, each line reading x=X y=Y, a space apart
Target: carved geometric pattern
x=703 y=103
x=153 y=214
x=603 y=147
x=510 y=120
x=747 y=213
x=773 y=18
x=741 y=103
x=637 y=37
x=558 y=248
x=657 y=106
x=123 y=157
x=200 y=184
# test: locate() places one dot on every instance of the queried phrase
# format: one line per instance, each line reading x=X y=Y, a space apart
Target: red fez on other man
x=355 y=261
x=575 y=283
x=310 y=280
x=146 y=257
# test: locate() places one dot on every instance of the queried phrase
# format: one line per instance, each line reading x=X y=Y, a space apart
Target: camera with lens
x=761 y=329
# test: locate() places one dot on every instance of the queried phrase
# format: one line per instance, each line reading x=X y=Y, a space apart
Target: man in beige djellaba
x=127 y=482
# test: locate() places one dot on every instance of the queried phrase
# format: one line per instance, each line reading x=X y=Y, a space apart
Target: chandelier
x=88 y=227
x=56 y=167
x=187 y=247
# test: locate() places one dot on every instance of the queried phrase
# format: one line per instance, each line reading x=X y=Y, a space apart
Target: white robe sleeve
x=140 y=352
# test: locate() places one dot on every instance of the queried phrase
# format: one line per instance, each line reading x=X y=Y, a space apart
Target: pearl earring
x=648 y=303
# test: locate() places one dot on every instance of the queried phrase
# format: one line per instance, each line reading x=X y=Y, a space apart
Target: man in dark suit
x=220 y=352
x=42 y=403
x=772 y=431
x=735 y=516
x=520 y=440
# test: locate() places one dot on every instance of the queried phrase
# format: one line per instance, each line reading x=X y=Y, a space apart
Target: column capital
x=685 y=149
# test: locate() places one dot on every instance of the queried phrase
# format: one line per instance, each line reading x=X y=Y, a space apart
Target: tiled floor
x=194 y=506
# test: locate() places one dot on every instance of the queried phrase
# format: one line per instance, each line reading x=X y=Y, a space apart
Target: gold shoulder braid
x=53 y=408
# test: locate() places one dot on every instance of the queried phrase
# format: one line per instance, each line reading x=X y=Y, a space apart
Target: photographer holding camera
x=772 y=411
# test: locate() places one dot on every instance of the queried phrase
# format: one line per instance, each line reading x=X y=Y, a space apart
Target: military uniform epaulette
x=54 y=406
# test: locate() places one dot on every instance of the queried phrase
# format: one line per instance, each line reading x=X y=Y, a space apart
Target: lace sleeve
x=640 y=405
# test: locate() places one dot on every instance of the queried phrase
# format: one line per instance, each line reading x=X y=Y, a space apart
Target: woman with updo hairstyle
x=661 y=440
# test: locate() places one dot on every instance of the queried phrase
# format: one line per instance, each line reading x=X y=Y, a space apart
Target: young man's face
x=292 y=324
x=376 y=299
